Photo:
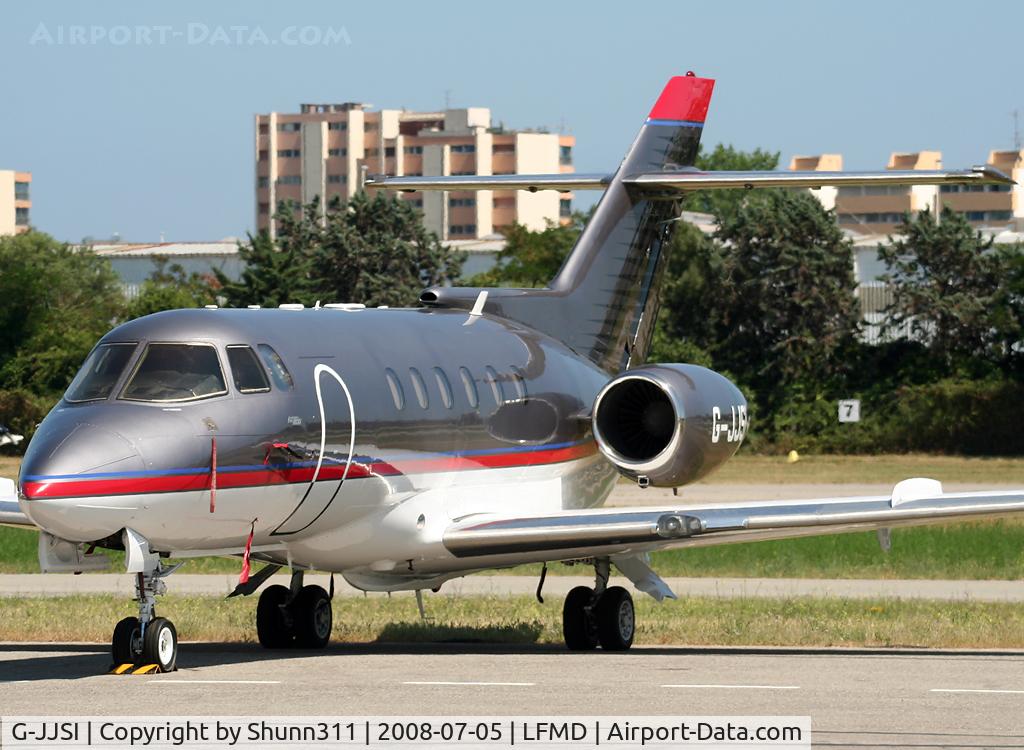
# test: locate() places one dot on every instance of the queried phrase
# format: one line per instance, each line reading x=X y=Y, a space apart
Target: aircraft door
x=330 y=446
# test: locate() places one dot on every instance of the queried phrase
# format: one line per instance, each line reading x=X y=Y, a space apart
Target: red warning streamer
x=213 y=474
x=244 y=577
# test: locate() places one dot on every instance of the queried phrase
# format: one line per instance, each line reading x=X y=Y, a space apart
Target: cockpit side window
x=99 y=374
x=246 y=370
x=176 y=372
x=278 y=370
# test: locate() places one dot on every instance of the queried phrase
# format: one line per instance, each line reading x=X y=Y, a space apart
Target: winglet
x=684 y=98
x=992 y=174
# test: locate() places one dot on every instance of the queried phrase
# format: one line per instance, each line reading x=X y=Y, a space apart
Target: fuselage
x=364 y=416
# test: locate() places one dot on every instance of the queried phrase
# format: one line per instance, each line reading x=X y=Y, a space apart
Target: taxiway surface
x=870 y=698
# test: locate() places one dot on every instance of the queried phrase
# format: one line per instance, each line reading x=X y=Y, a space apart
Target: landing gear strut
x=599 y=615
x=147 y=639
x=296 y=616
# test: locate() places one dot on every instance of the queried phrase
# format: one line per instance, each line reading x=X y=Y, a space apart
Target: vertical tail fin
x=610 y=280
x=603 y=301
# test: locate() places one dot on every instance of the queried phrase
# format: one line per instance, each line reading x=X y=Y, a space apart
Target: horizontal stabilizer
x=531 y=182
x=682 y=180
x=674 y=181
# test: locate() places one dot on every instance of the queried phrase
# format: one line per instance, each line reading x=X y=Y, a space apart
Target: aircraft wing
x=681 y=180
x=10 y=513
x=587 y=533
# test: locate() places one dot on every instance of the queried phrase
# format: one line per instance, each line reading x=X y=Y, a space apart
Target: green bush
x=949 y=416
x=21 y=411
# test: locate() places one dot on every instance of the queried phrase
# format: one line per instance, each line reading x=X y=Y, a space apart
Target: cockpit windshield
x=176 y=372
x=99 y=374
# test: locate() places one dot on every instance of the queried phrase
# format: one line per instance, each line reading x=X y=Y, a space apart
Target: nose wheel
x=599 y=616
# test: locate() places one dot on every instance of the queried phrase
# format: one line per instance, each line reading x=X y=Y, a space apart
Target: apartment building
x=15 y=201
x=328 y=150
x=878 y=210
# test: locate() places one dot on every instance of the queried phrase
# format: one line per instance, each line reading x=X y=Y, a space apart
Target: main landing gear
x=294 y=617
x=599 y=615
x=147 y=640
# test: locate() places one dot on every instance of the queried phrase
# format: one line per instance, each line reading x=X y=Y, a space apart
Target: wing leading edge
x=627 y=530
x=10 y=512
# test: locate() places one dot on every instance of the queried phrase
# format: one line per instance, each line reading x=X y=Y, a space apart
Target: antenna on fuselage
x=478 y=308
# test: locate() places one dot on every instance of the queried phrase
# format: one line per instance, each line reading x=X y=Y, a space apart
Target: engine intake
x=669 y=424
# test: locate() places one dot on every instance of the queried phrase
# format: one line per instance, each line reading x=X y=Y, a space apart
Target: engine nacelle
x=669 y=424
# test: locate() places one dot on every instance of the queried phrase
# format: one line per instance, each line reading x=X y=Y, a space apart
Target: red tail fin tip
x=684 y=98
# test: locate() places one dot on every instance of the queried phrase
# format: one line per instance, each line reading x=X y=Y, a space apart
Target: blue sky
x=143 y=138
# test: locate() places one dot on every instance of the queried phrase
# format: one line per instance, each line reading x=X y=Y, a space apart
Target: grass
x=9 y=466
x=695 y=621
x=884 y=469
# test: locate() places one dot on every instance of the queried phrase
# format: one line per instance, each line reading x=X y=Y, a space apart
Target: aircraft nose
x=69 y=465
x=67 y=456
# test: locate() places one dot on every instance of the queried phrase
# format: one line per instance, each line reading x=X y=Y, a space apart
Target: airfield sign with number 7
x=849 y=410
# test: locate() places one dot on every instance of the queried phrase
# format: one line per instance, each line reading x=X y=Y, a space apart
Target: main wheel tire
x=577 y=624
x=126 y=643
x=273 y=626
x=312 y=617
x=616 y=619
x=160 y=644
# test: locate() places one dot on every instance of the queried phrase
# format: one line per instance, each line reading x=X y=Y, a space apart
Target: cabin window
x=492 y=380
x=176 y=372
x=395 y=386
x=248 y=375
x=419 y=387
x=100 y=373
x=519 y=383
x=278 y=371
x=444 y=387
x=470 y=385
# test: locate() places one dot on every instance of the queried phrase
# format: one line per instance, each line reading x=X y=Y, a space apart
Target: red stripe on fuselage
x=83 y=487
x=684 y=98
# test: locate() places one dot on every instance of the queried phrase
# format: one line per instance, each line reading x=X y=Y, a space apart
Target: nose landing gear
x=600 y=615
x=147 y=640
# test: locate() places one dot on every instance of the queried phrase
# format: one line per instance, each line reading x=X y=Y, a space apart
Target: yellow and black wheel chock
x=135 y=669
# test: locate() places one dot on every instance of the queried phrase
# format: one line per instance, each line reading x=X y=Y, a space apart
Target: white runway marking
x=475 y=684
x=215 y=682
x=738 y=687
x=975 y=690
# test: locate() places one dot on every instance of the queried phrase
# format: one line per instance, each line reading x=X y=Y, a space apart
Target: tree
x=55 y=302
x=531 y=258
x=782 y=302
x=280 y=270
x=170 y=288
x=376 y=250
x=693 y=274
x=1008 y=310
x=947 y=289
x=373 y=250
x=722 y=203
